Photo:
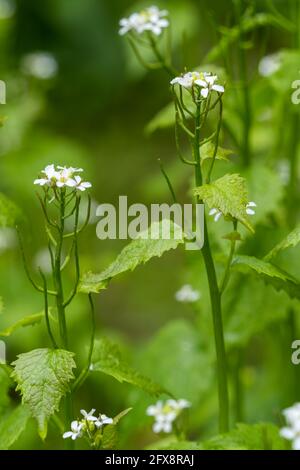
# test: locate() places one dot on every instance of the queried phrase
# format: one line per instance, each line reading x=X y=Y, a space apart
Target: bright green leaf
x=107 y=358
x=30 y=320
x=139 y=251
x=207 y=150
x=229 y=195
x=43 y=376
x=290 y=241
x=270 y=274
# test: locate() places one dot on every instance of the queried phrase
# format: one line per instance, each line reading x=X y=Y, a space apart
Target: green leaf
x=107 y=358
x=9 y=213
x=270 y=274
x=229 y=195
x=43 y=376
x=12 y=425
x=262 y=436
x=290 y=241
x=233 y=236
x=110 y=433
x=30 y=320
x=139 y=251
x=207 y=150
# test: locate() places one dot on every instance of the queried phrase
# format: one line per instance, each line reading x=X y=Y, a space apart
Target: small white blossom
x=217 y=214
x=269 y=65
x=187 y=294
x=206 y=81
x=102 y=420
x=89 y=416
x=62 y=177
x=292 y=431
x=76 y=428
x=249 y=208
x=151 y=19
x=166 y=413
x=42 y=65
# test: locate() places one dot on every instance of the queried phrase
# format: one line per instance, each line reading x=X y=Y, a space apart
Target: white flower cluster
x=151 y=19
x=292 y=431
x=187 y=294
x=206 y=81
x=88 y=424
x=217 y=214
x=166 y=413
x=61 y=177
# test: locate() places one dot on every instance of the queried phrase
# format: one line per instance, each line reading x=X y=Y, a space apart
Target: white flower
x=7 y=9
x=187 y=80
x=76 y=428
x=166 y=413
x=187 y=294
x=42 y=65
x=102 y=420
x=81 y=185
x=216 y=213
x=151 y=19
x=249 y=209
x=61 y=177
x=269 y=65
x=292 y=431
x=206 y=81
x=89 y=416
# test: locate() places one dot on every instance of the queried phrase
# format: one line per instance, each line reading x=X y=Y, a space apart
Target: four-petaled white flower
x=89 y=416
x=206 y=82
x=217 y=214
x=166 y=413
x=151 y=19
x=292 y=431
x=102 y=420
x=187 y=294
x=76 y=428
x=62 y=177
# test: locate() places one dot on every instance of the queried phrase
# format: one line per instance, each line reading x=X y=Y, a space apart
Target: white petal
x=287 y=433
x=218 y=216
x=296 y=444
x=218 y=88
x=157 y=427
x=250 y=211
x=204 y=92
x=201 y=83
x=167 y=427
x=251 y=204
x=213 y=211
x=68 y=434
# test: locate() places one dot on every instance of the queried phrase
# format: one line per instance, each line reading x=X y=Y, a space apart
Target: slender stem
x=216 y=144
x=76 y=255
x=47 y=311
x=84 y=373
x=215 y=297
x=238 y=386
x=57 y=276
x=168 y=181
x=226 y=276
x=165 y=65
x=139 y=57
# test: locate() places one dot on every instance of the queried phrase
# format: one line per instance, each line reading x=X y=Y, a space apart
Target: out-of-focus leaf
x=30 y=320
x=229 y=195
x=43 y=377
x=264 y=436
x=207 y=151
x=151 y=243
x=107 y=358
x=261 y=182
x=290 y=241
x=270 y=274
x=12 y=425
x=9 y=212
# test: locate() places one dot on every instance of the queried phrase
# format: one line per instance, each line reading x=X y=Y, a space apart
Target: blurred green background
x=77 y=96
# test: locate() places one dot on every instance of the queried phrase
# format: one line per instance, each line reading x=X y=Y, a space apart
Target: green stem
x=172 y=72
x=226 y=276
x=84 y=373
x=215 y=296
x=58 y=279
x=47 y=311
x=238 y=386
x=216 y=144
